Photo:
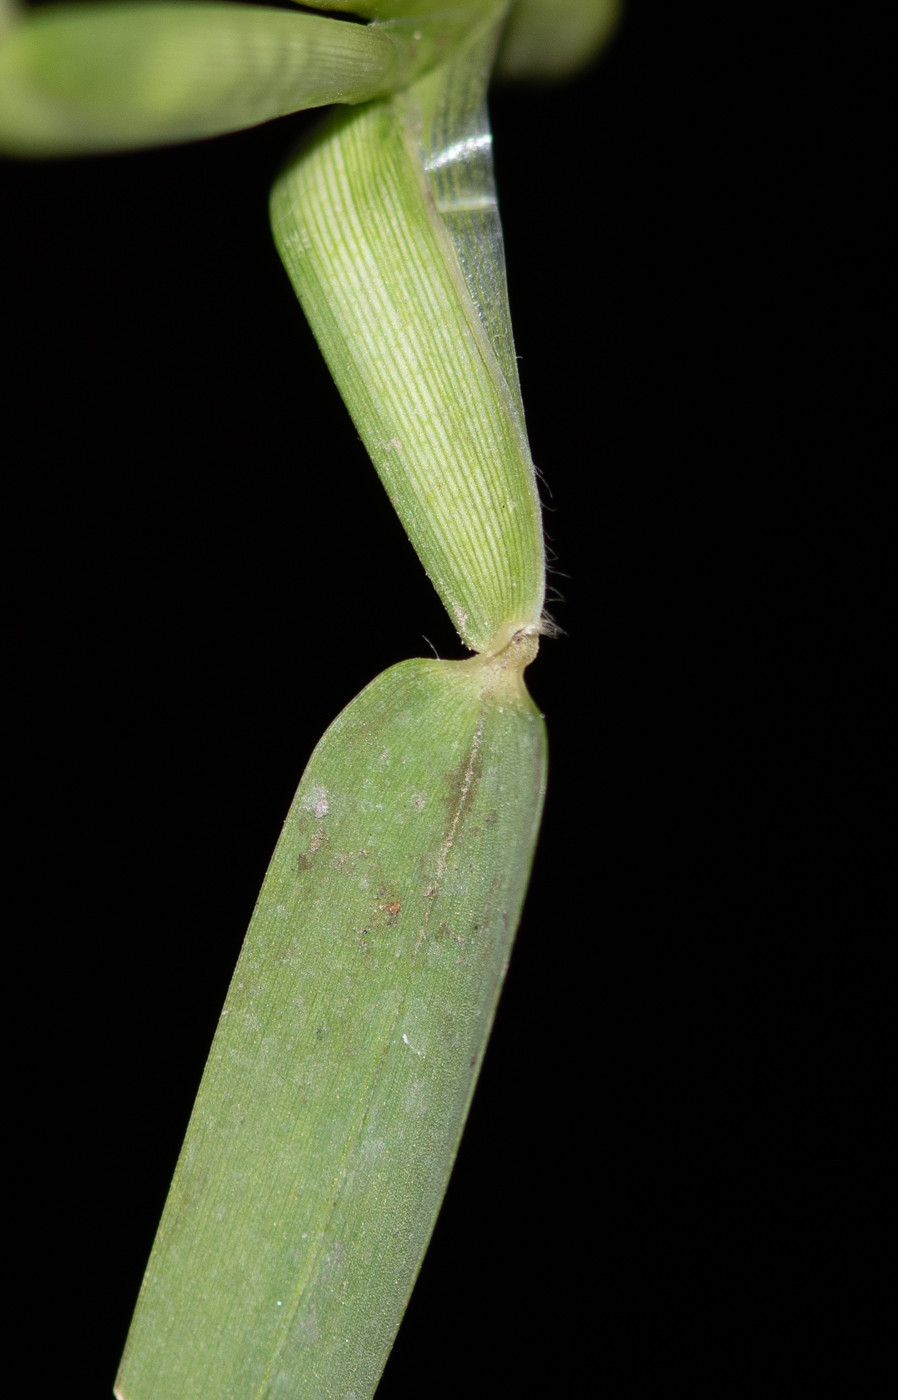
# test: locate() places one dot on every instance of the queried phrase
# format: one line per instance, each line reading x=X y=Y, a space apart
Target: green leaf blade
x=340 y=1076
x=82 y=78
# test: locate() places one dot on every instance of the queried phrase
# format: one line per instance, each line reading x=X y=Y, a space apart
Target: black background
x=659 y=1183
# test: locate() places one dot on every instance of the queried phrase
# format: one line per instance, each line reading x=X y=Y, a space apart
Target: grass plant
x=348 y=1048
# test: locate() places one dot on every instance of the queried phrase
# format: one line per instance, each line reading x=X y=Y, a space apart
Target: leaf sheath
x=375 y=269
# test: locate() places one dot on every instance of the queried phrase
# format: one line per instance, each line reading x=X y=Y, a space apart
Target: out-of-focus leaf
x=443 y=11
x=409 y=309
x=9 y=13
x=340 y=1076
x=80 y=78
x=548 y=40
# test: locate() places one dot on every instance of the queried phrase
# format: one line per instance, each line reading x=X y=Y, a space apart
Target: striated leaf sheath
x=388 y=229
